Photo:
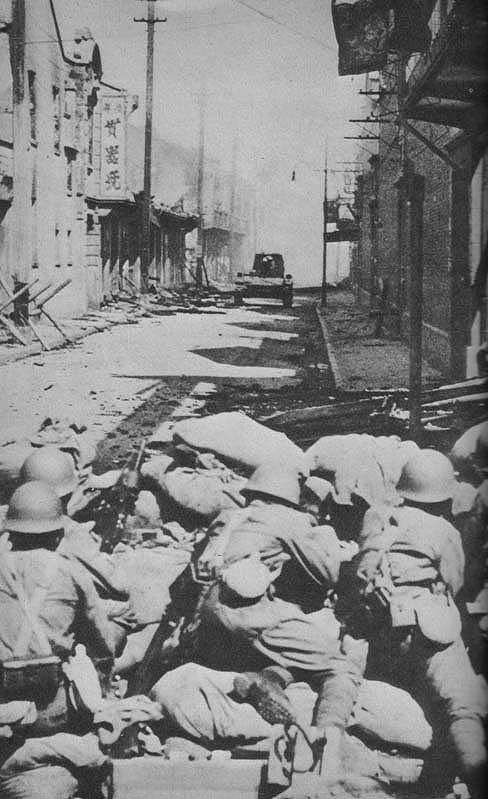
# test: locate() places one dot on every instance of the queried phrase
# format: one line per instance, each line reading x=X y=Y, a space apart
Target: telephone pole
x=200 y=270
x=323 y=293
x=150 y=20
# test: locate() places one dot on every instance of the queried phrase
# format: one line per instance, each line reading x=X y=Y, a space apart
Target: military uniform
x=408 y=570
x=286 y=626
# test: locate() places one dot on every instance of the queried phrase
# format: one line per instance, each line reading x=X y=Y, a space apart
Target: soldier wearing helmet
x=34 y=525
x=69 y=611
x=273 y=573
x=56 y=468
x=52 y=465
x=48 y=606
x=408 y=571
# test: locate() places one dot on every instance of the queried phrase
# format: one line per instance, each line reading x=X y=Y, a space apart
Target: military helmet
x=34 y=508
x=427 y=477
x=275 y=480
x=52 y=466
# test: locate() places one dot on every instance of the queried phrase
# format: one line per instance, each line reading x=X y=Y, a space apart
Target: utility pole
x=323 y=294
x=233 y=228
x=412 y=187
x=151 y=20
x=201 y=165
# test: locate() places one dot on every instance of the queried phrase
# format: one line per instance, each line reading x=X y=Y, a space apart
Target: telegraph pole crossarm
x=150 y=21
x=363 y=138
x=374 y=119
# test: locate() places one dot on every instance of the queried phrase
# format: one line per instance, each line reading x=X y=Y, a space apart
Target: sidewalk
x=75 y=329
x=357 y=359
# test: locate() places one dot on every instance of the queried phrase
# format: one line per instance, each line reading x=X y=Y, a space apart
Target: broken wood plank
x=318 y=412
x=28 y=321
x=9 y=325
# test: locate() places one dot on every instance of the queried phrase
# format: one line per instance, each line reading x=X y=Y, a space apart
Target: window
x=57 y=119
x=32 y=104
x=91 y=122
x=70 y=169
x=57 y=259
x=69 y=248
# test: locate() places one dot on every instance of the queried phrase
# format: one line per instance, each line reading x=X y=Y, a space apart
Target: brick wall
x=393 y=228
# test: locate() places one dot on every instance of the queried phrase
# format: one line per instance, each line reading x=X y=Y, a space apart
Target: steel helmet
x=52 y=466
x=34 y=508
x=427 y=477
x=276 y=481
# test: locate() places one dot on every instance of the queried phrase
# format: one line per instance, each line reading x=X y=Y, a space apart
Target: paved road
x=97 y=380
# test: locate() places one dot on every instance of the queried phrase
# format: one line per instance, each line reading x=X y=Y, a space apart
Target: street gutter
x=331 y=357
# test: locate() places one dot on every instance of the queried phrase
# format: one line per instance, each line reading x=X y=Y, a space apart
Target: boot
x=265 y=692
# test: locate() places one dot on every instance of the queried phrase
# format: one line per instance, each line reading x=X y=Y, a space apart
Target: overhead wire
x=281 y=23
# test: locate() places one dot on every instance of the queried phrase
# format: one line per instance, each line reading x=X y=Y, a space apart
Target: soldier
x=49 y=603
x=407 y=573
x=56 y=468
x=266 y=607
x=51 y=465
x=469 y=453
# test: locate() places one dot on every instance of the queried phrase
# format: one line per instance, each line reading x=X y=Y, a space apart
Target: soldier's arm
x=93 y=626
x=319 y=552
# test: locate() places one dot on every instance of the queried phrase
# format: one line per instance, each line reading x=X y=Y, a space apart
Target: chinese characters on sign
x=112 y=154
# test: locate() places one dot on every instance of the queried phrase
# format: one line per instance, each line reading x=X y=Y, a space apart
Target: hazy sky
x=270 y=73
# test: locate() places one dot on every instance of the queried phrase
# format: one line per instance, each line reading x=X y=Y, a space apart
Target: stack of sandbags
x=362 y=464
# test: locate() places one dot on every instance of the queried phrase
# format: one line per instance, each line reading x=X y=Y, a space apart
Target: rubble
x=444 y=409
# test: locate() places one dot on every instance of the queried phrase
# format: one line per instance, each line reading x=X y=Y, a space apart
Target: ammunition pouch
x=35 y=679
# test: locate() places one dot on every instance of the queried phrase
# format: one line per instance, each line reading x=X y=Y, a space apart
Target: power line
x=271 y=18
x=184 y=29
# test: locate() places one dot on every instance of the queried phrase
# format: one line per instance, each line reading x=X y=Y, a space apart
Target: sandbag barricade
x=238 y=440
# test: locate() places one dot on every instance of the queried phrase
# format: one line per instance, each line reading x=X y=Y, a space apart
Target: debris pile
x=450 y=407
x=165 y=302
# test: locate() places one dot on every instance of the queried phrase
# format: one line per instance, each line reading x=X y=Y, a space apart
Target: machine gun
x=113 y=505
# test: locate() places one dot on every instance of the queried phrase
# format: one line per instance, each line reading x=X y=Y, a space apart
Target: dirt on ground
x=301 y=349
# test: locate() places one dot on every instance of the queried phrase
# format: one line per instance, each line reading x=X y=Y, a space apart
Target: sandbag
x=151 y=573
x=203 y=492
x=12 y=456
x=361 y=464
x=390 y=715
x=324 y=456
x=238 y=440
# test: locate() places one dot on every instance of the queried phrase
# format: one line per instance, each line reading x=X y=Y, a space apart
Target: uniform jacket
x=71 y=611
x=419 y=548
x=274 y=530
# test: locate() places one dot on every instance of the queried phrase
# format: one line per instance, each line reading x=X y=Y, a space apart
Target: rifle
x=186 y=596
x=115 y=504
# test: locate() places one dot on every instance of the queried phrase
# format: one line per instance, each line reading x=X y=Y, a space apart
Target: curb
x=334 y=366
x=37 y=349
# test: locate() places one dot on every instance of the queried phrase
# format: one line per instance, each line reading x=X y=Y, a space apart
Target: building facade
x=423 y=195
x=52 y=96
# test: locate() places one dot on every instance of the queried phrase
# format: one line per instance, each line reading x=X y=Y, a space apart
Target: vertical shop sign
x=112 y=154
